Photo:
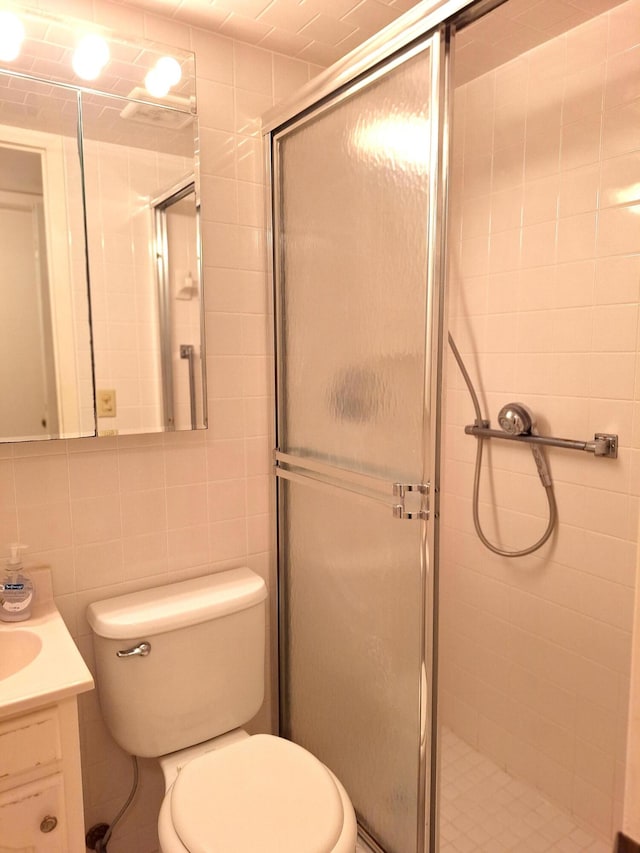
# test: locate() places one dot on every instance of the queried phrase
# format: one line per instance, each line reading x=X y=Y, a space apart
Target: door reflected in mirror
x=45 y=358
x=177 y=265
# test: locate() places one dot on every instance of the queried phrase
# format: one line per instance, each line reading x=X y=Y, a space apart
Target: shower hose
x=553 y=510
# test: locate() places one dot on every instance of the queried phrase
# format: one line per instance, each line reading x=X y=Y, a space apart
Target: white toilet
x=180 y=668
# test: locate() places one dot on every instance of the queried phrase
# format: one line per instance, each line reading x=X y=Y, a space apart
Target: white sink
x=17 y=650
x=39 y=661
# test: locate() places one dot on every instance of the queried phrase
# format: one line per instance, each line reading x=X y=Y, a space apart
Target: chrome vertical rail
x=80 y=142
x=275 y=272
x=270 y=243
x=161 y=253
x=438 y=237
x=187 y=352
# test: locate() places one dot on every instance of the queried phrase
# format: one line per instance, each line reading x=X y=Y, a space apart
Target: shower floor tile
x=484 y=810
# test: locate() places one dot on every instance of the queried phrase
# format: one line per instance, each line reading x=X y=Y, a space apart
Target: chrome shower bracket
x=604 y=444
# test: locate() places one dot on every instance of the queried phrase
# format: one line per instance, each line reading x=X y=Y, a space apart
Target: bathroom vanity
x=41 y=675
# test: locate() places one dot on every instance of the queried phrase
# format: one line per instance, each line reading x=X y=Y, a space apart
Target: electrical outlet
x=106 y=403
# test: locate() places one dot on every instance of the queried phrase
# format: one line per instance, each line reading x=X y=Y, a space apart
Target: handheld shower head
x=515 y=419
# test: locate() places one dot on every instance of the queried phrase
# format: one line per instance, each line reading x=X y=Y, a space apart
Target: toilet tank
x=204 y=673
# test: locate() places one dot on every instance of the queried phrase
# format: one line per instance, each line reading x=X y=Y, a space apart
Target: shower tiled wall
x=111 y=515
x=545 y=282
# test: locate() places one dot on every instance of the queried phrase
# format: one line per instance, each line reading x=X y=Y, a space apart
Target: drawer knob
x=48 y=823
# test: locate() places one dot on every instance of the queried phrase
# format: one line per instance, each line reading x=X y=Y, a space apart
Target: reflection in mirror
x=134 y=151
x=136 y=156
x=177 y=267
x=46 y=382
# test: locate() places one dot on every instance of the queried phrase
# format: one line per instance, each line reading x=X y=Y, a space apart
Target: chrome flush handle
x=142 y=649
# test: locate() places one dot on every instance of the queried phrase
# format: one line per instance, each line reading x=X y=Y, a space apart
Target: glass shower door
x=353 y=212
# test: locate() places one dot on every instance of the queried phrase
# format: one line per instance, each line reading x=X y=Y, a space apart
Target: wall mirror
x=100 y=275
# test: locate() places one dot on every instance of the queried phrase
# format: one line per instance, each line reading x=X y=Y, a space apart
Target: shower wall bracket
x=604 y=444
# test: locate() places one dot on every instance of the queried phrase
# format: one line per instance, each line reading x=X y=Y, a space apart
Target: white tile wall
x=125 y=312
x=544 y=307
x=115 y=514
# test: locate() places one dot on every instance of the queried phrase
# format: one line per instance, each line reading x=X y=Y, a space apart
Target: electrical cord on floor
x=101 y=845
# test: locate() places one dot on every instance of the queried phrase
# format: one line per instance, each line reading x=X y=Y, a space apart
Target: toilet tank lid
x=178 y=605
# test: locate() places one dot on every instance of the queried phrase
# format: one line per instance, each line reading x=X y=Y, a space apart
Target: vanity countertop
x=48 y=665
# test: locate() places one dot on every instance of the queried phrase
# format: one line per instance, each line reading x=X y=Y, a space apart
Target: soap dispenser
x=16 y=589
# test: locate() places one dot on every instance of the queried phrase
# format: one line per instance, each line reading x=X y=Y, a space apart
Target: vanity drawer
x=32 y=817
x=29 y=741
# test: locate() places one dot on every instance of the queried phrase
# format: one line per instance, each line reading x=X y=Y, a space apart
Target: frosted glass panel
x=352 y=214
x=353 y=266
x=352 y=576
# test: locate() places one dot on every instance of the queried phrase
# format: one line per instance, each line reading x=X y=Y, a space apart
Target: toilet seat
x=261 y=793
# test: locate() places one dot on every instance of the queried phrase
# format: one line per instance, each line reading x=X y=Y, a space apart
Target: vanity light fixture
x=11 y=36
x=165 y=74
x=90 y=56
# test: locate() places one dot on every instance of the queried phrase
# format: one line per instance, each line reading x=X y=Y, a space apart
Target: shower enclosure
x=388 y=599
x=357 y=431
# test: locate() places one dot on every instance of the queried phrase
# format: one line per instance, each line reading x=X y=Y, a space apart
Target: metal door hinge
x=421 y=491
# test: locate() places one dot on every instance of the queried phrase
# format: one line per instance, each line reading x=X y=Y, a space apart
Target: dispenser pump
x=14 y=562
x=16 y=589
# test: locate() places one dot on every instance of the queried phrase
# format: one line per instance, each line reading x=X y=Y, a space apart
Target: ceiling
x=323 y=31
x=318 y=31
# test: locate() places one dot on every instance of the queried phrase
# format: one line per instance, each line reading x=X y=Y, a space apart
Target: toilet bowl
x=261 y=793
x=180 y=670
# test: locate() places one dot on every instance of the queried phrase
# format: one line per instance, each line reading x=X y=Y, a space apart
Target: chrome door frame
x=435 y=345
x=380 y=52
x=294 y=468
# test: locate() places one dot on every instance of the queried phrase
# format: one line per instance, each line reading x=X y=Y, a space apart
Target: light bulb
x=169 y=69
x=11 y=36
x=90 y=56
x=156 y=84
